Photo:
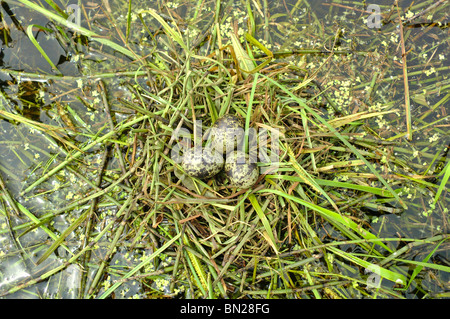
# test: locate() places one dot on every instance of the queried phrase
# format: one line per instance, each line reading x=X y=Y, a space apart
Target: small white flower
x=430 y=71
x=394 y=38
x=434 y=138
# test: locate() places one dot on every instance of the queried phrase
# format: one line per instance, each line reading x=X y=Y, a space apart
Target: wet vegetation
x=351 y=204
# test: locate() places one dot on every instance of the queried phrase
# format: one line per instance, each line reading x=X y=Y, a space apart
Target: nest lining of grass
x=305 y=230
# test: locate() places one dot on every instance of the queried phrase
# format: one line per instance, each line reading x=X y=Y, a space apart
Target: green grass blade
x=63 y=236
x=269 y=54
x=382 y=272
x=302 y=103
x=37 y=221
x=331 y=216
x=264 y=221
x=245 y=63
x=77 y=154
x=443 y=183
x=55 y=7
x=424 y=263
x=174 y=34
x=139 y=266
x=128 y=21
x=323 y=182
x=249 y=114
x=307 y=178
x=75 y=27
x=38 y=47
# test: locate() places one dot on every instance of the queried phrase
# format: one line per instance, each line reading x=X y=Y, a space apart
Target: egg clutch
x=203 y=163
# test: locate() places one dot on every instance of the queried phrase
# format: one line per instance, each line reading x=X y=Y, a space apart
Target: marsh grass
x=352 y=199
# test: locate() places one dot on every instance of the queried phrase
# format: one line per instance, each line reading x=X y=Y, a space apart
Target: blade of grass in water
x=38 y=47
x=75 y=27
x=45 y=128
x=75 y=257
x=36 y=220
x=324 y=182
x=443 y=183
x=77 y=154
x=246 y=64
x=174 y=34
x=138 y=267
x=424 y=262
x=63 y=236
x=381 y=271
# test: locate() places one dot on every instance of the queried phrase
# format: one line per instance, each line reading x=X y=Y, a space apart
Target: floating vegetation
x=350 y=115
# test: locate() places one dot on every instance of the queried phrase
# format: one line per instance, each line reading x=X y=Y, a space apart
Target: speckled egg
x=226 y=133
x=201 y=163
x=241 y=172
